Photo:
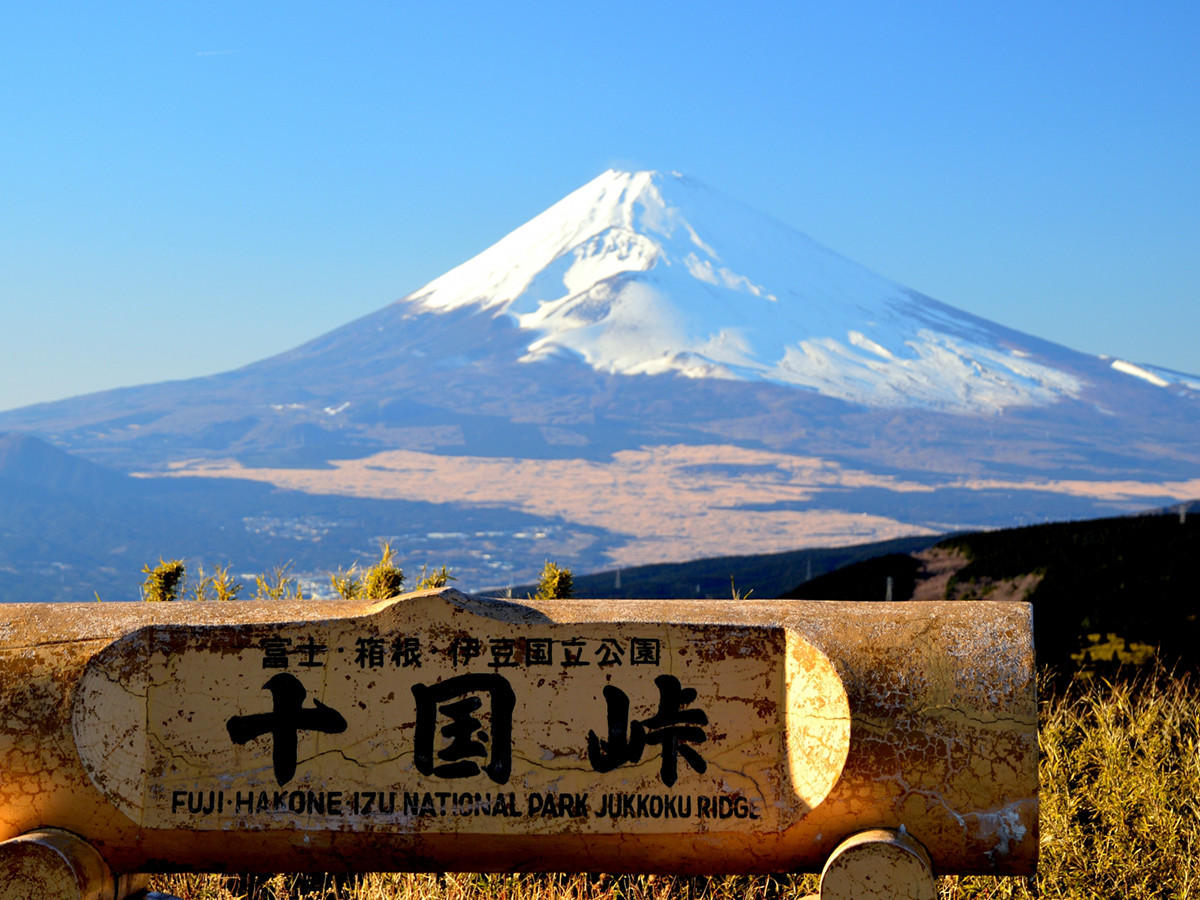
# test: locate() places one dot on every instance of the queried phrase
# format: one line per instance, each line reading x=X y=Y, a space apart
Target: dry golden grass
x=674 y=501
x=485 y=887
x=1120 y=818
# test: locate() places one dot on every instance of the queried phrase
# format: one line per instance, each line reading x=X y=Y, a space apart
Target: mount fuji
x=639 y=273
x=649 y=371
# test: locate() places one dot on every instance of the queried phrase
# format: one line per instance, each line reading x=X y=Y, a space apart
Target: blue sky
x=187 y=187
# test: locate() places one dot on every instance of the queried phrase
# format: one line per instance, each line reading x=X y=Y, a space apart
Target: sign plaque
x=445 y=714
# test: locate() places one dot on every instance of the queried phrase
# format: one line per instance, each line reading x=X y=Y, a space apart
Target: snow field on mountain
x=646 y=273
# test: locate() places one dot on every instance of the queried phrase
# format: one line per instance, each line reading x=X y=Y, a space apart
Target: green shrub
x=555 y=583
x=278 y=585
x=438 y=578
x=220 y=585
x=164 y=582
x=347 y=584
x=384 y=579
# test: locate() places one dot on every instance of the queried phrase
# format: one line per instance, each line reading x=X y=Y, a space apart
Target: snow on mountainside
x=645 y=273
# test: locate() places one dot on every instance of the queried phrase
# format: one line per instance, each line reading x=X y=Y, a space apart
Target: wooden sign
x=439 y=731
x=433 y=716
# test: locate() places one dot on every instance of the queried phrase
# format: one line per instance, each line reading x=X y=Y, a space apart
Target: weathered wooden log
x=439 y=731
x=51 y=864
x=879 y=864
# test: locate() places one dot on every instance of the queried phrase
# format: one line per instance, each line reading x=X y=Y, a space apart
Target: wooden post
x=51 y=864
x=879 y=864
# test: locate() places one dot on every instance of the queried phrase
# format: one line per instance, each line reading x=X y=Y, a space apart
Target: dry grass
x=486 y=887
x=674 y=501
x=1120 y=783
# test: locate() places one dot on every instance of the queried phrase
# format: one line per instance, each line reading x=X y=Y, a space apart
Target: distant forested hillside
x=1101 y=588
x=764 y=576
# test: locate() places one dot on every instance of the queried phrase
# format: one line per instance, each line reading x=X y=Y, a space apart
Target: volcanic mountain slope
x=652 y=360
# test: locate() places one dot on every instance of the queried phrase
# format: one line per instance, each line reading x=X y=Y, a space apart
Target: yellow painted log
x=443 y=732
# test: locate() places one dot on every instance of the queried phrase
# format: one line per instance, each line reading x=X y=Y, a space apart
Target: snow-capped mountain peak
x=648 y=273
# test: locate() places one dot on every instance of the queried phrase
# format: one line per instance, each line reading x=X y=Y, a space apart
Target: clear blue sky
x=187 y=187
